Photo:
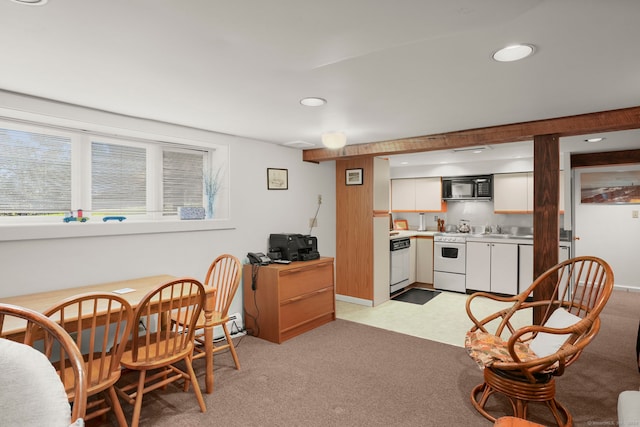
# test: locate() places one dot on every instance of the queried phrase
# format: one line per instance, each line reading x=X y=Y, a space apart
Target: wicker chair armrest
x=505 y=313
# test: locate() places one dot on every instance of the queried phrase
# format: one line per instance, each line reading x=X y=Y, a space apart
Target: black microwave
x=467 y=188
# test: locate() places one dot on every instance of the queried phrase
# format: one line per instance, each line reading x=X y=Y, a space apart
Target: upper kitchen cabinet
x=417 y=195
x=513 y=192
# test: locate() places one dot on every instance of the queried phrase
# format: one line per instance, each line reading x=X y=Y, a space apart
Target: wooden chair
x=160 y=343
x=223 y=275
x=522 y=364
x=36 y=330
x=101 y=324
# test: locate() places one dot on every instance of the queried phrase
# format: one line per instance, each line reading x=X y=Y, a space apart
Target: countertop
x=489 y=238
x=409 y=233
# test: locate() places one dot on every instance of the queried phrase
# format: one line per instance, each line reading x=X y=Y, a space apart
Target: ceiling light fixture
x=313 y=101
x=514 y=52
x=477 y=149
x=594 y=139
x=31 y=2
x=334 y=140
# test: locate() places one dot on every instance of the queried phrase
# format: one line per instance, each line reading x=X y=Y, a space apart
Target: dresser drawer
x=308 y=278
x=305 y=308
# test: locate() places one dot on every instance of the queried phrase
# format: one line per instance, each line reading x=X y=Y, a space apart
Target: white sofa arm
x=629 y=408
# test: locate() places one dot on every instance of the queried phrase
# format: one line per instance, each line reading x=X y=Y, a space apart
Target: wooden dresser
x=288 y=299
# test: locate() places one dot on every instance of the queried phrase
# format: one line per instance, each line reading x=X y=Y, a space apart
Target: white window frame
x=26 y=228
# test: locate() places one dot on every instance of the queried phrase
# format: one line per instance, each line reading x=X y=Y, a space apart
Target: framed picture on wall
x=277 y=179
x=353 y=176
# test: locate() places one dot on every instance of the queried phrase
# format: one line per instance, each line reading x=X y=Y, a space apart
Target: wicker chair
x=522 y=364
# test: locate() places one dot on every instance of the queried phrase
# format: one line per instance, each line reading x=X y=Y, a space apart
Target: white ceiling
x=389 y=69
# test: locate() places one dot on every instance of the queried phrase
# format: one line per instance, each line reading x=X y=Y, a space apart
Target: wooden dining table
x=132 y=290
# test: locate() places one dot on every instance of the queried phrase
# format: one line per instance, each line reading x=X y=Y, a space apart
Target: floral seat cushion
x=486 y=349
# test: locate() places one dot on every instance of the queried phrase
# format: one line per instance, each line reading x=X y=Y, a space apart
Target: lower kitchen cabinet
x=526 y=263
x=424 y=259
x=412 y=260
x=492 y=267
x=282 y=301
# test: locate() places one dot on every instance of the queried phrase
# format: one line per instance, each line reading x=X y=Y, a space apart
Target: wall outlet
x=313 y=222
x=634 y=214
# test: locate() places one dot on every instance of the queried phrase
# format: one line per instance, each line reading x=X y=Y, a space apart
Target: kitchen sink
x=504 y=236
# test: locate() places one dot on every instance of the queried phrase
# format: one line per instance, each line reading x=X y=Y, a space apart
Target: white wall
x=609 y=231
x=37 y=265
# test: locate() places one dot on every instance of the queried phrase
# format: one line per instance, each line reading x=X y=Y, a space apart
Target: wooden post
x=546 y=199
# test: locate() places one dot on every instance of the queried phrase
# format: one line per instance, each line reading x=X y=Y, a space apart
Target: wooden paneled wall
x=354 y=230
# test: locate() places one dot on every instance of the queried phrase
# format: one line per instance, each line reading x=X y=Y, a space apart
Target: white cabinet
x=513 y=192
x=416 y=195
x=424 y=259
x=525 y=276
x=492 y=267
x=412 y=260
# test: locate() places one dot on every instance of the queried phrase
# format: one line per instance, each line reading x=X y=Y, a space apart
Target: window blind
x=182 y=180
x=118 y=179
x=35 y=173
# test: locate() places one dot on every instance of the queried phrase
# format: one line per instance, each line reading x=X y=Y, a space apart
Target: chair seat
x=95 y=383
x=155 y=355
x=486 y=349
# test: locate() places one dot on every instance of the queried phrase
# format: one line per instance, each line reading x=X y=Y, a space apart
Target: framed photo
x=353 y=177
x=277 y=179
x=613 y=187
x=400 y=224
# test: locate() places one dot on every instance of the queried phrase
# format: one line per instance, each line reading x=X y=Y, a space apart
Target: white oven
x=449 y=262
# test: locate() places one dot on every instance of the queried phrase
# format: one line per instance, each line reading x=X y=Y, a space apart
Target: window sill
x=89 y=229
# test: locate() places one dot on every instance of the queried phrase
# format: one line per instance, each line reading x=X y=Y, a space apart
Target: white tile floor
x=443 y=318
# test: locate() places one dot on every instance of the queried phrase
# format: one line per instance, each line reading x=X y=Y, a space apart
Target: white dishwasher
x=400 y=263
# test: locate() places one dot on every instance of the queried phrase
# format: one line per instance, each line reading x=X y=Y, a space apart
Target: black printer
x=294 y=247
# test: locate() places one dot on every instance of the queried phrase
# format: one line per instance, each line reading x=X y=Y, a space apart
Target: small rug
x=416 y=296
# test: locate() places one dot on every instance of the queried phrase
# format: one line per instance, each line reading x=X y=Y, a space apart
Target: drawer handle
x=305 y=268
x=305 y=296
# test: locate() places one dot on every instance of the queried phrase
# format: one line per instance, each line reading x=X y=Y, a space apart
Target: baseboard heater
x=234 y=325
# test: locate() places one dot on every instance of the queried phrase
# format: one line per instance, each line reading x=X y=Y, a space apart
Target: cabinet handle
x=305 y=296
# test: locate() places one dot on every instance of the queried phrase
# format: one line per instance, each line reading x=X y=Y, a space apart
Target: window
x=35 y=173
x=182 y=180
x=47 y=173
x=118 y=179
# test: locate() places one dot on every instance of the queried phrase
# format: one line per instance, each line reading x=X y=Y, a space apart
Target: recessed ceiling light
x=31 y=2
x=404 y=163
x=594 y=139
x=513 y=53
x=313 y=101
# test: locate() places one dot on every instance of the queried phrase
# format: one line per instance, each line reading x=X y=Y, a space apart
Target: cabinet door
x=525 y=276
x=479 y=266
x=510 y=192
x=504 y=268
x=413 y=265
x=429 y=194
x=424 y=260
x=403 y=194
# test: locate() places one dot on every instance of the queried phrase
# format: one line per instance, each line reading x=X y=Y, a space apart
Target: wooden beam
x=546 y=204
x=604 y=159
x=605 y=121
